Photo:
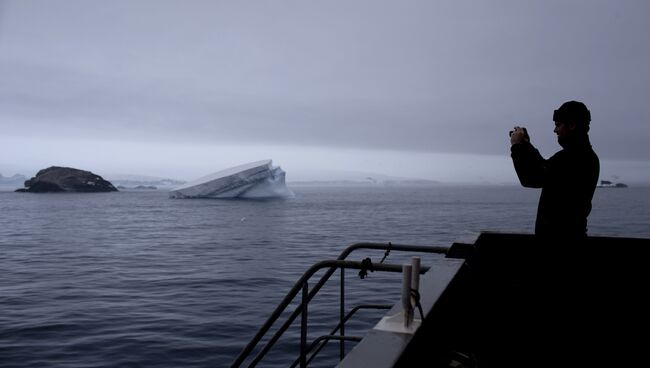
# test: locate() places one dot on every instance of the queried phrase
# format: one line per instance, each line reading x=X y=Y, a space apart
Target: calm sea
x=134 y=279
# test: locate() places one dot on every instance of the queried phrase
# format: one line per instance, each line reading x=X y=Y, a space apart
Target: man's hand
x=519 y=135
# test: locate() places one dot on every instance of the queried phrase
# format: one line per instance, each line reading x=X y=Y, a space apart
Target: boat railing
x=319 y=343
x=302 y=286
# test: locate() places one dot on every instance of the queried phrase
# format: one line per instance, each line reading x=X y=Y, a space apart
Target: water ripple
x=135 y=279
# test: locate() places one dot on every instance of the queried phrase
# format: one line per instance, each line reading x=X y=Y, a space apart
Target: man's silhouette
x=568 y=179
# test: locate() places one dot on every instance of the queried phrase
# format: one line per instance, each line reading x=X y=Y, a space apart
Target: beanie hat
x=573 y=112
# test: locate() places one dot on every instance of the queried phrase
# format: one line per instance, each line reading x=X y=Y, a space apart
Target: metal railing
x=319 y=343
x=307 y=295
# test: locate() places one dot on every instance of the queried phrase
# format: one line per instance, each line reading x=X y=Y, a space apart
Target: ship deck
x=506 y=300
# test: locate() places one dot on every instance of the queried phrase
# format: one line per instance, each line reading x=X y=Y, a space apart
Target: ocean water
x=135 y=279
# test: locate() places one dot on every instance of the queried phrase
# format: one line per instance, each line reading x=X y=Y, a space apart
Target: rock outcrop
x=66 y=179
x=609 y=184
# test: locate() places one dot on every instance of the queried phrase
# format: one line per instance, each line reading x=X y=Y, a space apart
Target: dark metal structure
x=521 y=301
x=501 y=300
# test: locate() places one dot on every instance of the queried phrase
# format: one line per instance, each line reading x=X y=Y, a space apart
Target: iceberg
x=258 y=179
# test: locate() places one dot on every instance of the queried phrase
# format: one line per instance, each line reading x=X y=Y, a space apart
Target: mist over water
x=137 y=279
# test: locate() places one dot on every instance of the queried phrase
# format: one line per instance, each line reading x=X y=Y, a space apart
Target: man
x=553 y=295
x=568 y=179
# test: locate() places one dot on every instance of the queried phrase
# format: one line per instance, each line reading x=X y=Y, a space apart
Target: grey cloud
x=443 y=76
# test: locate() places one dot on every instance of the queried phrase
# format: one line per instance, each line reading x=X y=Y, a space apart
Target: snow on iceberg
x=253 y=180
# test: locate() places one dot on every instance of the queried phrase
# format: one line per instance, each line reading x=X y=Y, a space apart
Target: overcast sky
x=425 y=89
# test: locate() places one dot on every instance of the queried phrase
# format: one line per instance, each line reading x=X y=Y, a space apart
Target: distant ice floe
x=253 y=180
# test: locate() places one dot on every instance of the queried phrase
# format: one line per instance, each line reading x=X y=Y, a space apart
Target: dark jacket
x=568 y=180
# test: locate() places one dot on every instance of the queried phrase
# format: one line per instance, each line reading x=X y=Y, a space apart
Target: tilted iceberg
x=253 y=180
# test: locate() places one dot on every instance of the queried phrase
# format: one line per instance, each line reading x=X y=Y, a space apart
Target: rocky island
x=66 y=179
x=609 y=184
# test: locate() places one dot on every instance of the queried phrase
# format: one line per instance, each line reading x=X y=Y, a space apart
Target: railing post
x=415 y=275
x=342 y=316
x=406 y=295
x=303 y=325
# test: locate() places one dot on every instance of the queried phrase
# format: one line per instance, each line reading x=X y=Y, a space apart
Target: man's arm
x=529 y=164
